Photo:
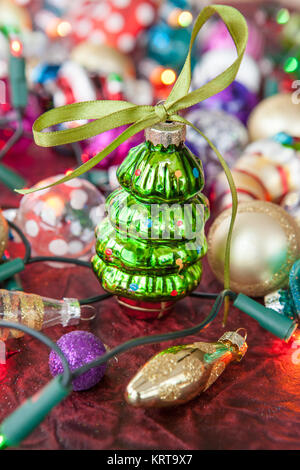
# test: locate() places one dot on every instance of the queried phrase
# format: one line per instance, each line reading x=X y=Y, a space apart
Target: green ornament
x=150 y=245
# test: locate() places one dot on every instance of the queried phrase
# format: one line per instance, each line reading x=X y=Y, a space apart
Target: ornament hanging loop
x=245 y=332
x=87 y=313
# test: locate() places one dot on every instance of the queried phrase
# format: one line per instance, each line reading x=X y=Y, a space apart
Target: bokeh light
x=185 y=19
x=16 y=47
x=291 y=65
x=63 y=28
x=168 y=77
x=283 y=16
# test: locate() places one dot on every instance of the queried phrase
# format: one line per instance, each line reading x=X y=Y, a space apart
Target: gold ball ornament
x=15 y=15
x=265 y=244
x=103 y=59
x=3 y=234
x=278 y=113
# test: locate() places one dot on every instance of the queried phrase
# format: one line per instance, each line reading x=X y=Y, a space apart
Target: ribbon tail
x=233 y=211
x=131 y=131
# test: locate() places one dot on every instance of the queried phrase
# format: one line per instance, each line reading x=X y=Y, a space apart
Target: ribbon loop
x=105 y=115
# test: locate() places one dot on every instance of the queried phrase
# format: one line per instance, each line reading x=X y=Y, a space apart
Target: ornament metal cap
x=236 y=340
x=166 y=133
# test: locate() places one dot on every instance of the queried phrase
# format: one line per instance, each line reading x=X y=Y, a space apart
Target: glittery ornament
x=156 y=218
x=282 y=302
x=180 y=373
x=278 y=113
x=236 y=99
x=60 y=221
x=287 y=301
x=36 y=312
x=264 y=246
x=225 y=131
x=79 y=347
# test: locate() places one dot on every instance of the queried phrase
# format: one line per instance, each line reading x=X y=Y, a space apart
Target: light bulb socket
x=10 y=268
x=19 y=90
x=29 y=415
x=279 y=325
x=10 y=178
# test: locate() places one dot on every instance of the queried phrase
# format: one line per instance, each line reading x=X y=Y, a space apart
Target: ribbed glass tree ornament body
x=149 y=247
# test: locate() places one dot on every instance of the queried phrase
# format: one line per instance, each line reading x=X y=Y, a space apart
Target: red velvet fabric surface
x=255 y=404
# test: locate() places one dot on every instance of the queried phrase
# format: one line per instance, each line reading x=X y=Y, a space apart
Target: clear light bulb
x=39 y=312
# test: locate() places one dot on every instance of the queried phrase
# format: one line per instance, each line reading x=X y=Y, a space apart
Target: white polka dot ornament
x=60 y=221
x=114 y=22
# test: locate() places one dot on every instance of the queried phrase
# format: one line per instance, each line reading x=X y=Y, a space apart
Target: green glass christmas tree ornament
x=150 y=245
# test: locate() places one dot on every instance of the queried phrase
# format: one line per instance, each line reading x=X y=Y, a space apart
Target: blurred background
x=56 y=52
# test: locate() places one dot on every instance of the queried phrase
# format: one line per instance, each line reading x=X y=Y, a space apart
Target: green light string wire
x=28 y=259
x=159 y=338
x=104 y=115
x=33 y=415
x=68 y=376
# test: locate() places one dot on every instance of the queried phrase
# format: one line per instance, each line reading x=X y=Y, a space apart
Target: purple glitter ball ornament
x=79 y=347
x=226 y=132
x=236 y=100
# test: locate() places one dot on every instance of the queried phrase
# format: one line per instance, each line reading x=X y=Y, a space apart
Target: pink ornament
x=113 y=22
x=217 y=37
x=115 y=158
x=32 y=112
